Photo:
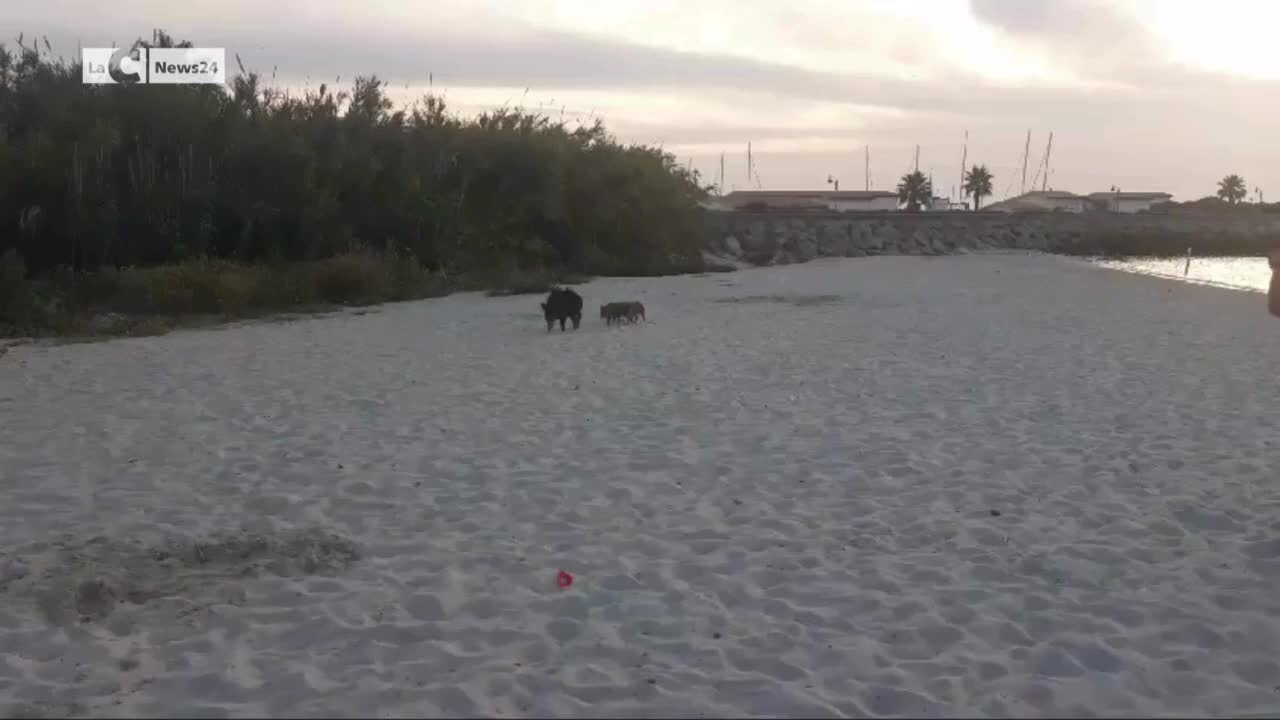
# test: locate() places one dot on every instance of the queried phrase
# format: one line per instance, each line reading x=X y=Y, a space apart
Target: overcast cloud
x=1161 y=95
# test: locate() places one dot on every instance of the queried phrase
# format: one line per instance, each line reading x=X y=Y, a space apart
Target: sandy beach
x=993 y=485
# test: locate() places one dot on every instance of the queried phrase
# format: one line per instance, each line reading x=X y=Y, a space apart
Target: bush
x=135 y=300
x=349 y=279
x=198 y=181
x=194 y=287
x=13 y=276
x=528 y=282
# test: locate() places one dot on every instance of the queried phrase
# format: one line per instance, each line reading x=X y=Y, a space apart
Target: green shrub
x=529 y=282
x=192 y=200
x=187 y=177
x=67 y=302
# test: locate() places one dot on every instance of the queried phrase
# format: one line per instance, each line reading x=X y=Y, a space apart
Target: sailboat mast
x=720 y=185
x=1025 y=153
x=964 y=159
x=1047 y=151
x=917 y=158
x=866 y=168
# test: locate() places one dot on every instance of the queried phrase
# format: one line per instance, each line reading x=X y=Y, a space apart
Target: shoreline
x=1119 y=264
x=125 y=326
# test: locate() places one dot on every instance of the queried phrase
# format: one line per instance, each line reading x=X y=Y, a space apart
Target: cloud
x=510 y=52
x=1049 y=18
x=550 y=60
x=1089 y=36
x=813 y=79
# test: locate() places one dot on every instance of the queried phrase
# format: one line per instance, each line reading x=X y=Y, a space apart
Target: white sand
x=771 y=508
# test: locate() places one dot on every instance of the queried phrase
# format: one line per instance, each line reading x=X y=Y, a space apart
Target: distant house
x=863 y=200
x=1127 y=202
x=941 y=204
x=1042 y=201
x=808 y=200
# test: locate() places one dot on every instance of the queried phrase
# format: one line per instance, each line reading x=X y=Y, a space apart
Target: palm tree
x=977 y=182
x=915 y=191
x=1232 y=188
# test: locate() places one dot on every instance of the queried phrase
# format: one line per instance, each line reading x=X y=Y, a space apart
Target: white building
x=1127 y=202
x=864 y=201
x=1042 y=201
x=811 y=200
x=941 y=204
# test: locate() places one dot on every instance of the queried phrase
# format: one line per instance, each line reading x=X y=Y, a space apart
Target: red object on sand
x=564 y=580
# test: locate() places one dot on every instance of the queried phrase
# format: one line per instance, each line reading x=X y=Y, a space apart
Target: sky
x=1143 y=95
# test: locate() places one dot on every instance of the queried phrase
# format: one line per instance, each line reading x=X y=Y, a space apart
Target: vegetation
x=1215 y=205
x=1232 y=188
x=915 y=191
x=176 y=199
x=977 y=184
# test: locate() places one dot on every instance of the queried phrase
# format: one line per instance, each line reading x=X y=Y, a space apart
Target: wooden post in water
x=1187 y=270
x=1273 y=292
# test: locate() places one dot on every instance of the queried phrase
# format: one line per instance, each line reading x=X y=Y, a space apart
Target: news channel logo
x=154 y=66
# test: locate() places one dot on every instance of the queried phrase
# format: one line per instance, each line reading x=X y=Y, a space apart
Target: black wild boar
x=561 y=305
